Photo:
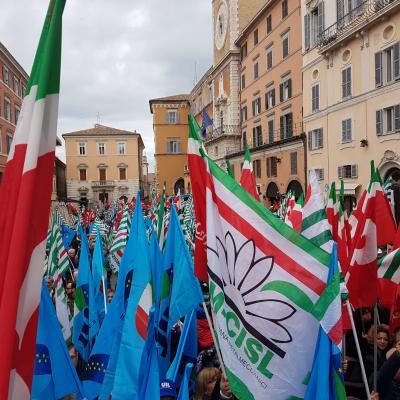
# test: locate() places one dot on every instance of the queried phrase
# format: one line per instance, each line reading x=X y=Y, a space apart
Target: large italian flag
x=25 y=196
x=267 y=292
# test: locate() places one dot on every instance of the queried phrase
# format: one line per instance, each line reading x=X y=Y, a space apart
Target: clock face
x=221 y=25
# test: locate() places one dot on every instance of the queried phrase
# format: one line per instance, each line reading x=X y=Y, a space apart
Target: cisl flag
x=24 y=211
x=266 y=285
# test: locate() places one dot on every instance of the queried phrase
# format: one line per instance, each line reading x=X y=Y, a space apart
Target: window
x=346 y=131
x=319 y=172
x=269 y=57
x=101 y=148
x=284 y=9
x=173 y=146
x=257 y=136
x=243 y=51
x=256 y=106
x=243 y=114
x=17 y=111
x=102 y=174
x=315 y=98
x=17 y=86
x=347 y=10
x=121 y=148
x=269 y=23
x=285 y=89
x=346 y=82
x=172 y=117
x=272 y=166
x=122 y=173
x=255 y=70
x=243 y=81
x=348 y=171
x=315 y=139
x=82 y=174
x=255 y=34
x=244 y=140
x=387 y=65
x=82 y=149
x=6 y=76
x=285 y=45
x=7 y=109
x=388 y=120
x=9 y=141
x=293 y=163
x=286 y=125
x=270 y=124
x=257 y=168
x=270 y=98
x=314 y=26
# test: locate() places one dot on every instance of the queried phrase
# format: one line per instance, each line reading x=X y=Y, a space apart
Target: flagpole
x=353 y=327
x=375 y=346
x=104 y=294
x=215 y=340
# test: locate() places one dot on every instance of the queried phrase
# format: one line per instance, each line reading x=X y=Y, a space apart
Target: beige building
x=170 y=127
x=351 y=81
x=103 y=163
x=271 y=100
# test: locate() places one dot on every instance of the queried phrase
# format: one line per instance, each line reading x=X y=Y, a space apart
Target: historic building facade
x=271 y=100
x=12 y=88
x=351 y=90
x=170 y=127
x=103 y=164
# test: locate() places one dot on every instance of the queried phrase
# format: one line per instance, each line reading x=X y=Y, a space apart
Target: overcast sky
x=117 y=54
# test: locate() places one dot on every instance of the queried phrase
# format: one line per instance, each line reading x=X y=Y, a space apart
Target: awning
x=349 y=188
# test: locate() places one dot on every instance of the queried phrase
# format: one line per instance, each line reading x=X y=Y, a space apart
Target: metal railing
x=269 y=139
x=222 y=130
x=357 y=16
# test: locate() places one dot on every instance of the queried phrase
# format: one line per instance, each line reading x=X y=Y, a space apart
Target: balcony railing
x=223 y=130
x=102 y=183
x=356 y=17
x=270 y=139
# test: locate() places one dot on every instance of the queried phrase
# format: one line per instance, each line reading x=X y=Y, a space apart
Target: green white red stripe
x=389 y=266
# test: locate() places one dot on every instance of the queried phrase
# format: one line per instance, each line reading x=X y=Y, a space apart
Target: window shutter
x=397 y=117
x=379 y=122
x=177 y=117
x=340 y=12
x=268 y=167
x=289 y=121
x=354 y=171
x=273 y=97
x=167 y=117
x=290 y=88
x=396 y=60
x=266 y=101
x=253 y=103
x=344 y=75
x=378 y=69
x=307 y=33
x=310 y=140
x=320 y=138
x=281 y=92
x=281 y=127
x=344 y=138
x=321 y=18
x=254 y=137
x=340 y=172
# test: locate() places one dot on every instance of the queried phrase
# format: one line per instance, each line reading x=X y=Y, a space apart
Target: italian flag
x=247 y=179
x=24 y=211
x=267 y=285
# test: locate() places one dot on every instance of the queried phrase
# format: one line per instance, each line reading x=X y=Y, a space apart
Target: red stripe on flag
x=336 y=332
x=142 y=319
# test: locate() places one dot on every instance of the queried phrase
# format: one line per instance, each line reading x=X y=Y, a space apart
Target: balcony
x=223 y=130
x=366 y=13
x=102 y=184
x=275 y=138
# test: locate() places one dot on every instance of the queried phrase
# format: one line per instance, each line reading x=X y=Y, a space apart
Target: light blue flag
x=184 y=390
x=186 y=294
x=68 y=235
x=98 y=277
x=106 y=349
x=134 y=329
x=86 y=322
x=54 y=375
x=187 y=350
x=149 y=377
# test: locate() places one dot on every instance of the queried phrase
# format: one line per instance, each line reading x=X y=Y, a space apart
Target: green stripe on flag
x=313 y=219
x=239 y=389
x=322 y=238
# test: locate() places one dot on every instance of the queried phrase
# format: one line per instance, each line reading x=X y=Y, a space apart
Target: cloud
x=116 y=56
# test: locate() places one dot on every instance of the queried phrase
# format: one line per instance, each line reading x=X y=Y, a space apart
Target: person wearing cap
x=167 y=390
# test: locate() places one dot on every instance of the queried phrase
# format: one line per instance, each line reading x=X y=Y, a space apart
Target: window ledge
x=317 y=151
x=346 y=145
x=389 y=136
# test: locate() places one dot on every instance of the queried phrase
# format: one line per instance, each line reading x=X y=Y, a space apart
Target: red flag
x=247 y=179
x=24 y=211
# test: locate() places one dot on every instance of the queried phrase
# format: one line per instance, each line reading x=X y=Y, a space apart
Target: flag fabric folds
x=28 y=176
x=247 y=178
x=54 y=375
x=207 y=121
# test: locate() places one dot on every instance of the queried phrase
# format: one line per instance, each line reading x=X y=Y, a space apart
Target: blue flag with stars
x=86 y=322
x=98 y=277
x=68 y=235
x=207 y=121
x=54 y=375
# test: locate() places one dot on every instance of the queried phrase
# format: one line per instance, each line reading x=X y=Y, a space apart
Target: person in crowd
x=76 y=360
x=70 y=288
x=211 y=384
x=167 y=390
x=73 y=259
x=110 y=295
